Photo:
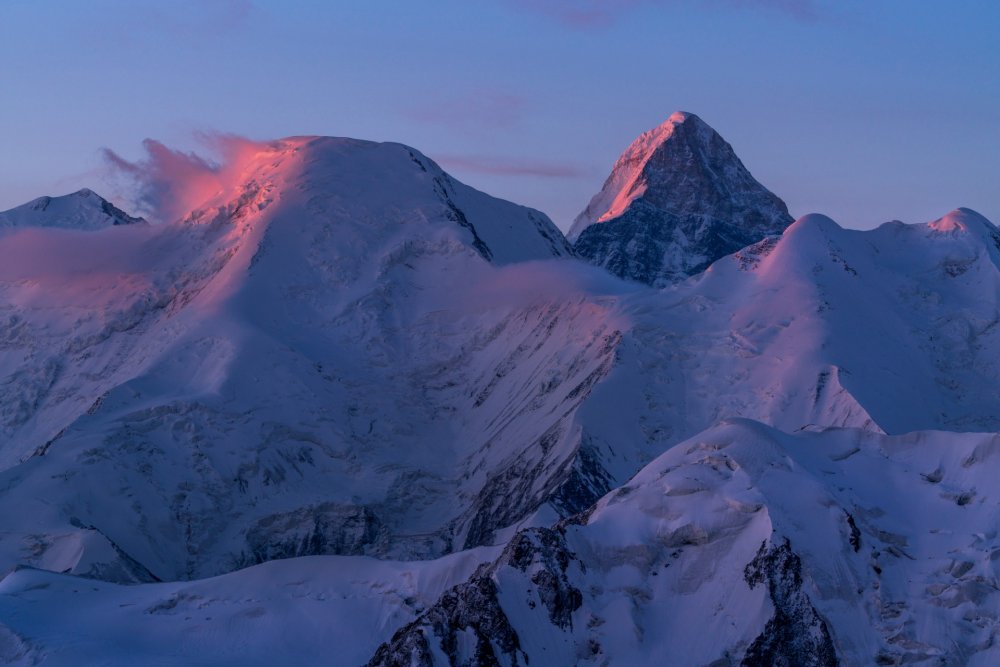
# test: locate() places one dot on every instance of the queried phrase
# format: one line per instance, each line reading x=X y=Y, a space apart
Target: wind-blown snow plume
x=167 y=183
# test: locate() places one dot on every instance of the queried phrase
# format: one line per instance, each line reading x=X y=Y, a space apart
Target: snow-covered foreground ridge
x=348 y=410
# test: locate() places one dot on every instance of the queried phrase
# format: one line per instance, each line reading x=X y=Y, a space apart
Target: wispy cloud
x=511 y=166
x=472 y=110
x=588 y=14
x=193 y=19
x=166 y=183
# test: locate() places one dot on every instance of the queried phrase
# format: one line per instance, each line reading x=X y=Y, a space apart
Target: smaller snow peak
x=810 y=233
x=961 y=220
x=82 y=210
x=813 y=221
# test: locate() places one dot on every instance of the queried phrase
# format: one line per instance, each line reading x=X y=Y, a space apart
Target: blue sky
x=865 y=111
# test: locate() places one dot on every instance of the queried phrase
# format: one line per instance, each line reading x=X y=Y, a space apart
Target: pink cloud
x=600 y=13
x=167 y=184
x=510 y=167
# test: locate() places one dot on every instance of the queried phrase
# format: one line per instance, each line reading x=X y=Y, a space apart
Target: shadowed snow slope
x=343 y=352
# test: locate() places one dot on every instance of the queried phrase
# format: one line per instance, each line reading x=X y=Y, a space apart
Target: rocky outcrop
x=796 y=634
x=469 y=626
x=328 y=528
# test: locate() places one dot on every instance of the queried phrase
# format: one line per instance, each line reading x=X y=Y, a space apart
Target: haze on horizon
x=863 y=111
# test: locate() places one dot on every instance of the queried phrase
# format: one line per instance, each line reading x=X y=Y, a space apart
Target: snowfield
x=347 y=410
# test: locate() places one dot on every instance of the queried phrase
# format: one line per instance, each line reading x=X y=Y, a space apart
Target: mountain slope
x=676 y=200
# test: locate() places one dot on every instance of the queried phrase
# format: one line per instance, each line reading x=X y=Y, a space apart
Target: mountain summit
x=677 y=199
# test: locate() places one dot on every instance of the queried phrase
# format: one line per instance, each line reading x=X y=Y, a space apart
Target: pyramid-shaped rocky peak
x=677 y=199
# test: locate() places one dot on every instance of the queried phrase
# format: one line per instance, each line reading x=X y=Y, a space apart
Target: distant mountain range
x=351 y=411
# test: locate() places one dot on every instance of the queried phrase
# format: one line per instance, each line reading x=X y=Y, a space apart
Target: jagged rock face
x=469 y=625
x=796 y=634
x=677 y=200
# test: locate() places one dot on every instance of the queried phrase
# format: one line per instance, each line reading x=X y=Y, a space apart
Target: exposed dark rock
x=473 y=607
x=585 y=483
x=442 y=185
x=855 y=537
x=543 y=553
x=796 y=636
x=328 y=528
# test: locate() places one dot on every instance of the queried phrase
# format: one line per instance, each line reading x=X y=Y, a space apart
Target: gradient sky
x=865 y=110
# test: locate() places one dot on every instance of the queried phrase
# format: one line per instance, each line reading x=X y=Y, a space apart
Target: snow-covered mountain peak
x=83 y=210
x=676 y=200
x=377 y=193
x=813 y=224
x=962 y=220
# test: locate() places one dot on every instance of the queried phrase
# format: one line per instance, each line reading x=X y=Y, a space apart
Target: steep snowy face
x=677 y=200
x=84 y=210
